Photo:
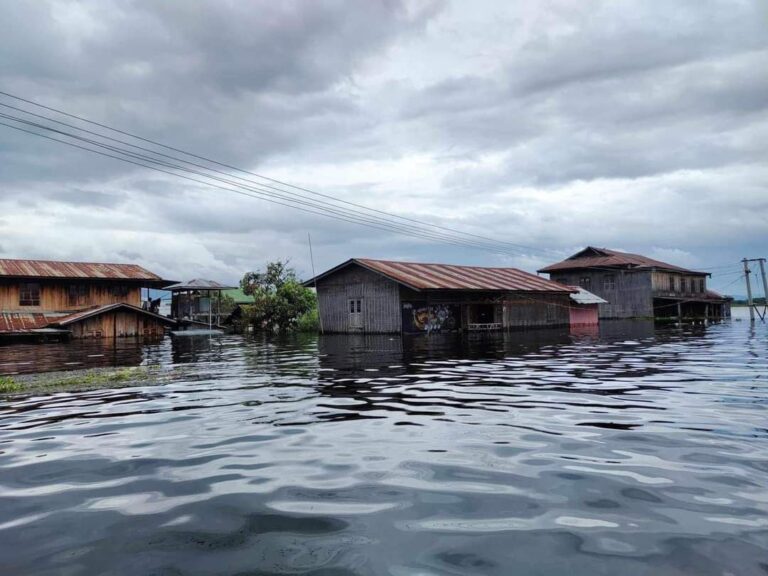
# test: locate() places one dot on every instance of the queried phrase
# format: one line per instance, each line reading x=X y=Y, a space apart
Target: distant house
x=637 y=286
x=41 y=298
x=379 y=296
x=197 y=301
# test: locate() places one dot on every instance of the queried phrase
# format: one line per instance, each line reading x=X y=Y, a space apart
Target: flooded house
x=381 y=296
x=197 y=302
x=46 y=299
x=635 y=286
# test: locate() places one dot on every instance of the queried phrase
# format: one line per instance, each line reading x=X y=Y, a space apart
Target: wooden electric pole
x=750 y=302
x=747 y=272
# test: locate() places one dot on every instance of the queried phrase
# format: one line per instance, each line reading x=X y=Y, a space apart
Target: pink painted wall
x=584 y=315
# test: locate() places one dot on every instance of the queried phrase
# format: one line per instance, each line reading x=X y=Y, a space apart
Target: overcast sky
x=640 y=126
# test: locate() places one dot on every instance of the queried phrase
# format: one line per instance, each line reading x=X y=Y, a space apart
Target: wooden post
x=706 y=312
x=679 y=312
x=765 y=285
x=749 y=290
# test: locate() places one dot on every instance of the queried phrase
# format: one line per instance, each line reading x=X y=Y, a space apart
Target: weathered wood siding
x=380 y=301
x=524 y=310
x=119 y=324
x=54 y=296
x=629 y=293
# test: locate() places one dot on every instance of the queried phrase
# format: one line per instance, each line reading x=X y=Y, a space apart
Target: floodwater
x=641 y=451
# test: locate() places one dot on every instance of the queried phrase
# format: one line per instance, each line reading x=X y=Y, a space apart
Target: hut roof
x=98 y=310
x=11 y=268
x=592 y=257
x=582 y=296
x=198 y=284
x=420 y=276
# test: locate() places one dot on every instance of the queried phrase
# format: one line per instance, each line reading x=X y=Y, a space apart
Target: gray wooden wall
x=632 y=296
x=380 y=296
x=525 y=310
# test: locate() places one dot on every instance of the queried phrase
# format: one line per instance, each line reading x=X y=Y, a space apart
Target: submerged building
x=380 y=296
x=42 y=298
x=635 y=286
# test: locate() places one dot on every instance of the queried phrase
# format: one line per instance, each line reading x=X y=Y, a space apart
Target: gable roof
x=198 y=284
x=75 y=270
x=99 y=310
x=418 y=276
x=592 y=257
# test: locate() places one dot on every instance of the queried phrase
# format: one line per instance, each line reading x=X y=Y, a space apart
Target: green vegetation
x=8 y=384
x=87 y=379
x=280 y=302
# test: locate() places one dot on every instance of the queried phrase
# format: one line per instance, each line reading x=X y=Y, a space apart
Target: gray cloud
x=634 y=124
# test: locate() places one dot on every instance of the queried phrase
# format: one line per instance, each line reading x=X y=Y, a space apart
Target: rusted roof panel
x=55 y=269
x=22 y=322
x=450 y=277
x=592 y=257
x=98 y=310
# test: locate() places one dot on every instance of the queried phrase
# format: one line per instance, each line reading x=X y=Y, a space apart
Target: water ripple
x=643 y=451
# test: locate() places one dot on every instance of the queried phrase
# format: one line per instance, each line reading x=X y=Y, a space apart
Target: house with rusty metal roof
x=41 y=299
x=382 y=296
x=638 y=286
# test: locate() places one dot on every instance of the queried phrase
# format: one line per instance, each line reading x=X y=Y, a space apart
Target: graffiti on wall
x=419 y=317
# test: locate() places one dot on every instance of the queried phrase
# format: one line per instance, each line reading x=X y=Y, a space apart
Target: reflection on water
x=638 y=451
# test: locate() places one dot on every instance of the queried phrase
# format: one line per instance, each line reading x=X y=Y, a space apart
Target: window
x=609 y=282
x=683 y=285
x=585 y=282
x=671 y=283
x=29 y=294
x=355 y=306
x=119 y=291
x=701 y=285
x=78 y=294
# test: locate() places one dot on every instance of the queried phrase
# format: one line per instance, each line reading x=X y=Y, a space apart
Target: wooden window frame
x=609 y=282
x=78 y=294
x=29 y=293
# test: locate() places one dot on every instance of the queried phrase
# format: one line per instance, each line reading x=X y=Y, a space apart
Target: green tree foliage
x=279 y=299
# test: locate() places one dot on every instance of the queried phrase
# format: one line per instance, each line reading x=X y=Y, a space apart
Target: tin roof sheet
x=592 y=257
x=450 y=277
x=96 y=311
x=198 y=284
x=23 y=322
x=56 y=269
x=582 y=296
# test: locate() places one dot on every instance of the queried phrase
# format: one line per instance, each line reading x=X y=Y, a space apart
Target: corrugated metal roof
x=22 y=322
x=592 y=257
x=91 y=312
x=55 y=269
x=450 y=277
x=198 y=284
x=582 y=296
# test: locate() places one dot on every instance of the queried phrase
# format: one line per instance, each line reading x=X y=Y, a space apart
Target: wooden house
x=40 y=298
x=636 y=286
x=379 y=296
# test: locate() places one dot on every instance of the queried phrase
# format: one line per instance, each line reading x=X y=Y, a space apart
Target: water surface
x=640 y=451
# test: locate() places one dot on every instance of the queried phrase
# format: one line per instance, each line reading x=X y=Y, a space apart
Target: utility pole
x=750 y=302
x=747 y=272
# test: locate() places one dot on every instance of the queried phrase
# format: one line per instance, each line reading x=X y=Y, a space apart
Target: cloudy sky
x=545 y=124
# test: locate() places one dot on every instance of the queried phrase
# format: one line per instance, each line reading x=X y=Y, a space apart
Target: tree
x=279 y=299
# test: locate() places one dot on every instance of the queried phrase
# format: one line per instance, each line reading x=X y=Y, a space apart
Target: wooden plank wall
x=632 y=296
x=380 y=296
x=521 y=311
x=120 y=324
x=54 y=296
